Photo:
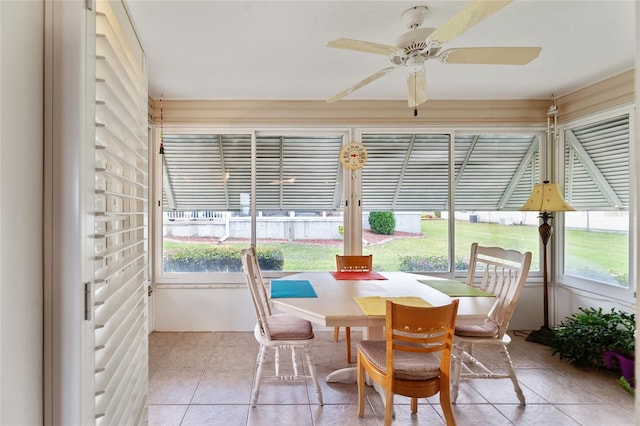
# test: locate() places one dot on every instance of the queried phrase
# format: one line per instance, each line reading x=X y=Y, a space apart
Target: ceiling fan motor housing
x=413 y=43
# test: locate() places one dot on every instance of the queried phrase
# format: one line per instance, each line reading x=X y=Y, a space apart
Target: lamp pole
x=545 y=231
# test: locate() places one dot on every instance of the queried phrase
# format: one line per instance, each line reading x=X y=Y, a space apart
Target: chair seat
x=289 y=327
x=489 y=329
x=407 y=366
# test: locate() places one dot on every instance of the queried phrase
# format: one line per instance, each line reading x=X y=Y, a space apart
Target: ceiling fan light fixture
x=415 y=63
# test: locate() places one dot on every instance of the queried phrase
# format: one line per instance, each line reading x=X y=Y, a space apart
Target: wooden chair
x=276 y=331
x=502 y=273
x=351 y=263
x=414 y=360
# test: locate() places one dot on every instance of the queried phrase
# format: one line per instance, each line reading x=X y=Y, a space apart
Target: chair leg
x=314 y=374
x=414 y=405
x=445 y=404
x=336 y=333
x=258 y=378
x=388 y=407
x=361 y=383
x=512 y=375
x=347 y=332
x=458 y=353
x=294 y=361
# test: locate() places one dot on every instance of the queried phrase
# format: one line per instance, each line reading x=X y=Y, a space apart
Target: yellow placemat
x=377 y=306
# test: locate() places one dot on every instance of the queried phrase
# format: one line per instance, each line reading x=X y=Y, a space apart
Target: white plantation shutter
x=120 y=239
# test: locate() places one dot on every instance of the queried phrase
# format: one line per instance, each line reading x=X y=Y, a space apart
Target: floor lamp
x=546 y=199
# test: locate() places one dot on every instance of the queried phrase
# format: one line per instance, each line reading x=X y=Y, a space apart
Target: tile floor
x=206 y=379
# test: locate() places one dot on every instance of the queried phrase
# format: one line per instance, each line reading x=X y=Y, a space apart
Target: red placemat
x=357 y=275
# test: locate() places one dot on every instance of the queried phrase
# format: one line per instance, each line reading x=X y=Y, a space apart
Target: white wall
x=203 y=308
x=21 y=187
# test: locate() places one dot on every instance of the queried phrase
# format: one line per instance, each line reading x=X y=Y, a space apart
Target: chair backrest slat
x=257 y=290
x=259 y=278
x=503 y=273
x=354 y=263
x=420 y=330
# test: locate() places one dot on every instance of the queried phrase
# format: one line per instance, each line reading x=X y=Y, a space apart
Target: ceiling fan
x=420 y=44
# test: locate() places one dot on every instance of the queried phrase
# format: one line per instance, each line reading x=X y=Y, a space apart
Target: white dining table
x=335 y=305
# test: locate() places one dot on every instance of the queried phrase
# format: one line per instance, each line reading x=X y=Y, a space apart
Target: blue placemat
x=291 y=288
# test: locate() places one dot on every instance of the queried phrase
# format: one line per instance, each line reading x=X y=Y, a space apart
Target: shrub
x=429 y=264
x=270 y=259
x=382 y=223
x=217 y=258
x=583 y=337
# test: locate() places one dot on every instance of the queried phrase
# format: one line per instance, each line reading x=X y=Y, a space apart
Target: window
x=302 y=194
x=495 y=174
x=409 y=175
x=596 y=179
x=207 y=200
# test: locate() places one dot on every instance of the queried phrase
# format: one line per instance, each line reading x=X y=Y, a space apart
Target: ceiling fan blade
x=417 y=87
x=473 y=13
x=360 y=84
x=490 y=55
x=362 y=46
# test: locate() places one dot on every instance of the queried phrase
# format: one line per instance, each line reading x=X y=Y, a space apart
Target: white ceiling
x=276 y=49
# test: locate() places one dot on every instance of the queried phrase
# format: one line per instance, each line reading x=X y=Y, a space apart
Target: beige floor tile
x=166 y=415
x=216 y=415
x=276 y=415
x=175 y=386
x=341 y=415
x=206 y=379
x=478 y=415
x=224 y=387
x=596 y=415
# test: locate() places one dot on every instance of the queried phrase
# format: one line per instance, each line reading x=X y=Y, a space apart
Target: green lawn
x=601 y=255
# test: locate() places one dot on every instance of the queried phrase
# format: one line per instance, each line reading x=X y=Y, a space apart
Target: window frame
x=218 y=279
x=577 y=283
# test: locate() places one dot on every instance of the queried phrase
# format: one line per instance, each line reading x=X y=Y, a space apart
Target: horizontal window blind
x=298 y=173
x=410 y=172
x=495 y=172
x=121 y=246
x=597 y=165
x=406 y=172
x=213 y=172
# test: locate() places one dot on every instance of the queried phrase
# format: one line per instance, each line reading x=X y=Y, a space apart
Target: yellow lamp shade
x=546 y=197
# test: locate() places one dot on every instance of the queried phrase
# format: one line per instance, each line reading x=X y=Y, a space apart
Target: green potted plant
x=595 y=338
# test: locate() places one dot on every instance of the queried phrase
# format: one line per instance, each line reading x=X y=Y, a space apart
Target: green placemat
x=455 y=288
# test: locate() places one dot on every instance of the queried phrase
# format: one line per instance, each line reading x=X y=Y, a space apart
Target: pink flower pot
x=627 y=365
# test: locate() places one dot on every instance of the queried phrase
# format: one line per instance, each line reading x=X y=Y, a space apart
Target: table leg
x=349 y=374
